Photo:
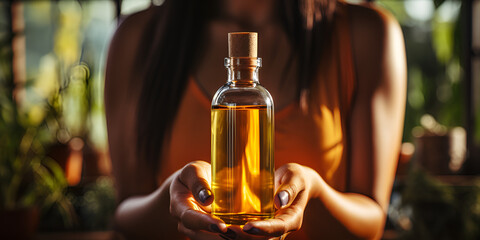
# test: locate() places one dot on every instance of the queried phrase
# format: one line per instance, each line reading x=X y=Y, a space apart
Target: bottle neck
x=243 y=70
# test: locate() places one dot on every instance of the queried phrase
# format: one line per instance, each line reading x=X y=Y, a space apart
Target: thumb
x=196 y=176
x=290 y=185
x=282 y=199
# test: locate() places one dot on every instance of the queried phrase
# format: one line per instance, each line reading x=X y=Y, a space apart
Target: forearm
x=359 y=214
x=148 y=217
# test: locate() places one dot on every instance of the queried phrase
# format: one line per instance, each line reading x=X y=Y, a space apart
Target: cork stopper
x=242 y=44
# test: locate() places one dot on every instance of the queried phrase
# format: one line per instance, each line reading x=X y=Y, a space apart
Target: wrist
x=316 y=184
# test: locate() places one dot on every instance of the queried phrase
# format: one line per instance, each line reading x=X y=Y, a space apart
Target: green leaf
x=57 y=171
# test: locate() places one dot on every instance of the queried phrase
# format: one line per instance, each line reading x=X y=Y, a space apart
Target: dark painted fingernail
x=230 y=234
x=215 y=228
x=204 y=194
x=224 y=237
x=283 y=197
x=254 y=230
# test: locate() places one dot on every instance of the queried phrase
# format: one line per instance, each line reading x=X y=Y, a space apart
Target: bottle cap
x=242 y=44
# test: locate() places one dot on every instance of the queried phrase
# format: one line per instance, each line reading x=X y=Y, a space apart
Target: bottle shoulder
x=237 y=95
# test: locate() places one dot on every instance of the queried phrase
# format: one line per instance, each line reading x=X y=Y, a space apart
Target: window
x=443 y=76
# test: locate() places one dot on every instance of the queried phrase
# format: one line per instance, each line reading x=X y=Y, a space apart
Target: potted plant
x=29 y=180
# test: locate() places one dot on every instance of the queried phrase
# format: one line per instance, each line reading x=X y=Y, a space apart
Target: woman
x=337 y=75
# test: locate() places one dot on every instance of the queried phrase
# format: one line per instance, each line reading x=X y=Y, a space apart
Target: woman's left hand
x=295 y=185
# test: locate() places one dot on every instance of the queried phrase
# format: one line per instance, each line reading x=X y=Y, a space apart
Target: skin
x=374 y=134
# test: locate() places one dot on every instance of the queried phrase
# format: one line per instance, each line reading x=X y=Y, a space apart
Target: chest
x=313 y=139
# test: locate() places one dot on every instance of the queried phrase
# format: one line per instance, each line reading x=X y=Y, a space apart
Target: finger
x=289 y=183
x=196 y=177
x=287 y=219
x=198 y=235
x=184 y=207
x=237 y=233
x=196 y=220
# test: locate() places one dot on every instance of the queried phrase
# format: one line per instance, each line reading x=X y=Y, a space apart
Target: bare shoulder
x=128 y=35
x=371 y=19
x=132 y=26
x=121 y=76
x=378 y=45
x=124 y=48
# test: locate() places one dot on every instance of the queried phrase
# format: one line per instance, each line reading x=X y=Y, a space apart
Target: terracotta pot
x=19 y=224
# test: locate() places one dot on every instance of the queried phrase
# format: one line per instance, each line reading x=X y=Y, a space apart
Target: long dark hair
x=171 y=48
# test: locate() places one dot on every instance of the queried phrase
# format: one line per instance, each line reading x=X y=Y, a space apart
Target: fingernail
x=247 y=227
x=230 y=234
x=283 y=197
x=215 y=228
x=254 y=230
x=204 y=194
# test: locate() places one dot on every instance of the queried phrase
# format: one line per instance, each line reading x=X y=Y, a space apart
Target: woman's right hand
x=190 y=200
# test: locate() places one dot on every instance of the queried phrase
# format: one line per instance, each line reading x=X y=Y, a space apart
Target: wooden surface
x=104 y=235
x=110 y=235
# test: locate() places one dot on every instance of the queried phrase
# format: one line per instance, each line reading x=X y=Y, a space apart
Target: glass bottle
x=242 y=140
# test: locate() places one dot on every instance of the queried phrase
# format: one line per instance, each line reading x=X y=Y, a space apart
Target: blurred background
x=54 y=162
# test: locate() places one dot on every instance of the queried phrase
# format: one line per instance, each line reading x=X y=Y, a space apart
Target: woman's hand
x=190 y=199
x=295 y=185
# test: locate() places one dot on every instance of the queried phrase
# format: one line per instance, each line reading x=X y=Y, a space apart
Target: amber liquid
x=242 y=163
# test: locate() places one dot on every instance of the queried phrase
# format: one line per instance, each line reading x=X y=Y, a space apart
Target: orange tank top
x=310 y=132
